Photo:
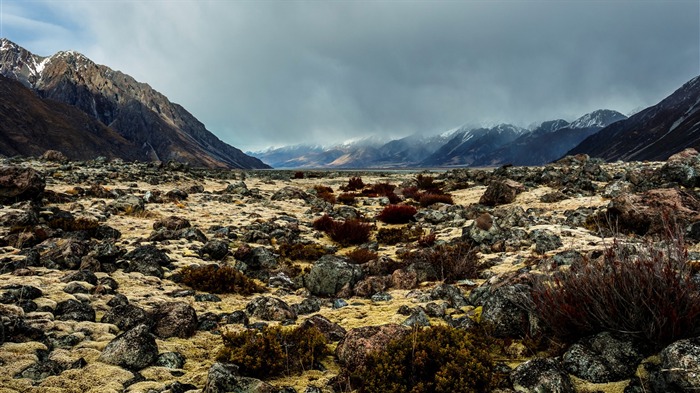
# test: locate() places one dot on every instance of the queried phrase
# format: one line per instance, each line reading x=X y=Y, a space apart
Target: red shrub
x=450 y=262
x=428 y=199
x=325 y=193
x=411 y=192
x=427 y=240
x=383 y=188
x=347 y=198
x=652 y=295
x=354 y=184
x=350 y=232
x=298 y=175
x=429 y=184
x=397 y=214
x=361 y=255
x=324 y=223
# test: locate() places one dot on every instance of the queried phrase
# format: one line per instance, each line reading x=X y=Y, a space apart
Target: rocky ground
x=92 y=255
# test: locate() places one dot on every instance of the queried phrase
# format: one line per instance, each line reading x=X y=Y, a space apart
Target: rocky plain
x=106 y=274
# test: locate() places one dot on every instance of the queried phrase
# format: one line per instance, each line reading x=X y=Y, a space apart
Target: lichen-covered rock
x=225 y=378
x=541 y=375
x=175 y=319
x=73 y=310
x=270 y=309
x=19 y=184
x=359 y=342
x=602 y=358
x=500 y=192
x=288 y=193
x=125 y=316
x=332 y=331
x=147 y=260
x=330 y=274
x=134 y=349
x=505 y=313
x=216 y=249
x=545 y=240
x=680 y=365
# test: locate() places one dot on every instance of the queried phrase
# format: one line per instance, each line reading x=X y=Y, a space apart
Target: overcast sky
x=264 y=73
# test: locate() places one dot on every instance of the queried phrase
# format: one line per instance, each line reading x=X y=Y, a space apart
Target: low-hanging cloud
x=273 y=73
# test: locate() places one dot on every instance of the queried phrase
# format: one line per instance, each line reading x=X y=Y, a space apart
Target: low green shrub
x=436 y=359
x=219 y=279
x=274 y=351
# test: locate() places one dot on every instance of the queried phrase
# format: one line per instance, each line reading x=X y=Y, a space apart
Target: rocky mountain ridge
x=654 y=133
x=161 y=130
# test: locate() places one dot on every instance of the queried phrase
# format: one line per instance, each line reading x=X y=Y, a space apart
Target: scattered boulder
x=172 y=223
x=225 y=378
x=134 y=349
x=216 y=249
x=545 y=240
x=125 y=316
x=602 y=358
x=54 y=156
x=20 y=184
x=359 y=342
x=73 y=310
x=505 y=313
x=147 y=260
x=330 y=274
x=332 y=331
x=680 y=363
x=500 y=192
x=288 y=193
x=171 y=360
x=270 y=309
x=541 y=375
x=174 y=319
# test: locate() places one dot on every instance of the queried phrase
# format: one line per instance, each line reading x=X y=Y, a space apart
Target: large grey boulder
x=541 y=375
x=18 y=184
x=270 y=309
x=175 y=319
x=602 y=358
x=329 y=274
x=224 y=378
x=134 y=349
x=680 y=365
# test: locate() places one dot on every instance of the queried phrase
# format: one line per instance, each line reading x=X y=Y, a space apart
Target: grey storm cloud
x=281 y=72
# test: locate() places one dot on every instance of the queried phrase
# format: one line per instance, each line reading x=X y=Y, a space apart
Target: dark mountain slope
x=31 y=125
x=652 y=134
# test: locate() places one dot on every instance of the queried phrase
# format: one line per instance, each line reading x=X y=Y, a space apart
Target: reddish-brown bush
x=347 y=198
x=411 y=192
x=397 y=214
x=298 y=175
x=302 y=252
x=361 y=255
x=651 y=295
x=350 y=232
x=325 y=193
x=429 y=184
x=354 y=184
x=428 y=199
x=450 y=262
x=218 y=279
x=427 y=240
x=383 y=188
x=323 y=223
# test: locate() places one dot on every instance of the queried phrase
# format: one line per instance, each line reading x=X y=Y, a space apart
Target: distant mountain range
x=84 y=110
x=465 y=146
x=68 y=103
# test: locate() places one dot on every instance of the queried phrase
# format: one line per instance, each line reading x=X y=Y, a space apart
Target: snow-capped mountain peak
x=599 y=118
